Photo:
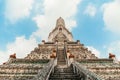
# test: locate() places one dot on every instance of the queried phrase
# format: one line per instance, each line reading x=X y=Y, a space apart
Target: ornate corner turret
x=111 y=56
x=13 y=56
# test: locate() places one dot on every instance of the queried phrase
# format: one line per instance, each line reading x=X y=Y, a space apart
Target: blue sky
x=24 y=23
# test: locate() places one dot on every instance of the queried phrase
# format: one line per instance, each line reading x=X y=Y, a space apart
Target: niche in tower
x=60 y=29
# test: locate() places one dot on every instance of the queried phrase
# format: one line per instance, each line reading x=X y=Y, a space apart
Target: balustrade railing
x=65 y=53
x=78 y=68
x=44 y=73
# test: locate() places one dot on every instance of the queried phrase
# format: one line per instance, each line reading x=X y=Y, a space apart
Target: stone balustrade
x=44 y=73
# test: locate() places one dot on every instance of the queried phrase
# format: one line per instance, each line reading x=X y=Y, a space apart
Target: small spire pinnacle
x=60 y=22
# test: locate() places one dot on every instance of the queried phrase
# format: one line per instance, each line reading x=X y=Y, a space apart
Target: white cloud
x=111 y=16
x=45 y=20
x=53 y=9
x=3 y=56
x=114 y=48
x=90 y=10
x=17 y=9
x=94 y=51
x=21 y=47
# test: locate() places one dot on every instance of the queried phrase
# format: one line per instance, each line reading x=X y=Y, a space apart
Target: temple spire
x=60 y=22
x=60 y=31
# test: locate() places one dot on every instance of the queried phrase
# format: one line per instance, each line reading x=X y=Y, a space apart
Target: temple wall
x=43 y=51
x=80 y=52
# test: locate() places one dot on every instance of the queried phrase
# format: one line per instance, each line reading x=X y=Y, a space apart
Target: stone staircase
x=63 y=73
x=61 y=57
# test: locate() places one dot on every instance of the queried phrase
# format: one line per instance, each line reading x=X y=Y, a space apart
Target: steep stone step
x=63 y=74
x=69 y=78
x=61 y=57
x=61 y=63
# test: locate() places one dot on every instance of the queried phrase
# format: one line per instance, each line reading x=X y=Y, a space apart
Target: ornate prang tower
x=60 y=58
x=60 y=33
x=61 y=39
